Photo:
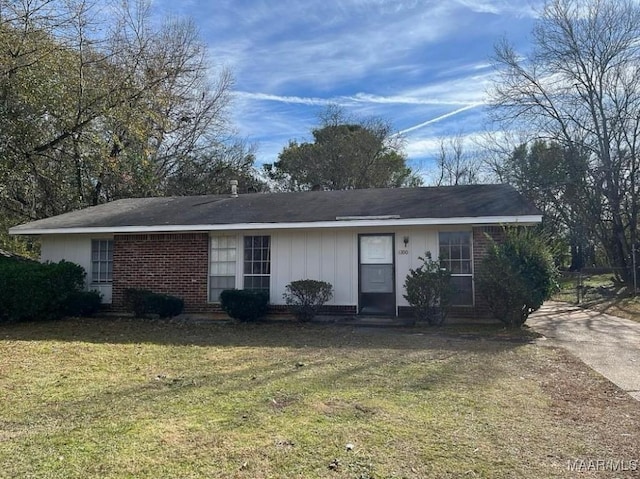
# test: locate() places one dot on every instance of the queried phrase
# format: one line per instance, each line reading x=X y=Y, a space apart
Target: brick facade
x=173 y=263
x=480 y=247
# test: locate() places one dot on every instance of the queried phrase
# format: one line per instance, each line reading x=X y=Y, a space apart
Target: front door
x=376 y=275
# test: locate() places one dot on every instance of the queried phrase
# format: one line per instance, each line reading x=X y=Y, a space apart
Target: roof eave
x=476 y=220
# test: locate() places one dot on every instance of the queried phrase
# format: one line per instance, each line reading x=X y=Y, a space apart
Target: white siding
x=421 y=241
x=332 y=256
x=76 y=249
x=322 y=255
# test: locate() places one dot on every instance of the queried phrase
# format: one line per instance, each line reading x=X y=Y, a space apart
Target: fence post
x=635 y=273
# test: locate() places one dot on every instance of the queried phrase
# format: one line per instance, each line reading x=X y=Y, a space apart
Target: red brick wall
x=480 y=247
x=174 y=264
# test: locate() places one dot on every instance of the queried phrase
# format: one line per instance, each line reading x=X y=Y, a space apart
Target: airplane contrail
x=439 y=118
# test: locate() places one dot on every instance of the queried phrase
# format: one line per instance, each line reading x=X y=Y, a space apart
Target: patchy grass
x=600 y=293
x=148 y=399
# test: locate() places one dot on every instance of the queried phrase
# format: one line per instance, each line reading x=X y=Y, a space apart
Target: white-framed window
x=101 y=261
x=222 y=268
x=455 y=256
x=257 y=262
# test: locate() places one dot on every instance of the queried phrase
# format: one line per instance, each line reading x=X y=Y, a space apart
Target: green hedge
x=143 y=302
x=31 y=291
x=83 y=303
x=244 y=304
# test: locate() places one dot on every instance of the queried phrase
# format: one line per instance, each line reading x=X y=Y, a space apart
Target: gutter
x=356 y=222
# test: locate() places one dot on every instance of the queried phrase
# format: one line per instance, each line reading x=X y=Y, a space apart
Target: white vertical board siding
x=332 y=256
x=76 y=249
x=421 y=240
x=318 y=254
x=328 y=245
x=313 y=255
x=345 y=285
x=299 y=258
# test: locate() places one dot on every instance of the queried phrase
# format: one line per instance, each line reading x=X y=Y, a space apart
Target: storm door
x=376 y=275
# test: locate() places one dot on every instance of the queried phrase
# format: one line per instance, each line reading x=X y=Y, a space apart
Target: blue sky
x=424 y=65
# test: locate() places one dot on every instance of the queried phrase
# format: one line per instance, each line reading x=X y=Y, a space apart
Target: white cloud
x=502 y=7
x=429 y=147
x=274 y=45
x=348 y=100
x=401 y=99
x=321 y=44
x=282 y=99
x=422 y=64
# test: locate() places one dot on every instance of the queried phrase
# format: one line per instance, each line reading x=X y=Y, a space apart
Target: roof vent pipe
x=234 y=188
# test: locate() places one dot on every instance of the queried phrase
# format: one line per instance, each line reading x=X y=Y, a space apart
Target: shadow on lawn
x=604 y=295
x=625 y=304
x=322 y=388
x=269 y=334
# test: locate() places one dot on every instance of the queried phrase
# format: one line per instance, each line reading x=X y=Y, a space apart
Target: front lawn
x=149 y=399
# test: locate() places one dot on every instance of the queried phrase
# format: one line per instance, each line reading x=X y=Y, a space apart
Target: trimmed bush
x=428 y=291
x=166 y=305
x=244 y=304
x=83 y=303
x=135 y=300
x=517 y=275
x=143 y=302
x=31 y=291
x=305 y=297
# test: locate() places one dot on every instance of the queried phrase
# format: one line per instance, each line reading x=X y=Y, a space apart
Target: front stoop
x=377 y=321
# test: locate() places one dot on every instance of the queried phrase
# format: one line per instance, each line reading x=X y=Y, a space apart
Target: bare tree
x=456 y=165
x=496 y=149
x=580 y=88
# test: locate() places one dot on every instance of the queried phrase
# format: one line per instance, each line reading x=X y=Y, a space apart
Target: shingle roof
x=467 y=201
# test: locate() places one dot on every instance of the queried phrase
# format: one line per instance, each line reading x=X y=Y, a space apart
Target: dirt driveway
x=608 y=344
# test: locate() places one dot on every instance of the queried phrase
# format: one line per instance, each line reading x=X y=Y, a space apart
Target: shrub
x=428 y=290
x=517 y=275
x=305 y=297
x=37 y=291
x=244 y=304
x=83 y=303
x=166 y=305
x=144 y=302
x=136 y=301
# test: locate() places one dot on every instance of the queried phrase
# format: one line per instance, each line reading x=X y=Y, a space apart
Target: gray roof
x=469 y=201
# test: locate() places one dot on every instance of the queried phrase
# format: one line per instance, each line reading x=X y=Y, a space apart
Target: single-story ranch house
x=363 y=242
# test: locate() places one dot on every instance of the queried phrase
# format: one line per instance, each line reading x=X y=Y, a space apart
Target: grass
x=147 y=399
x=601 y=293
